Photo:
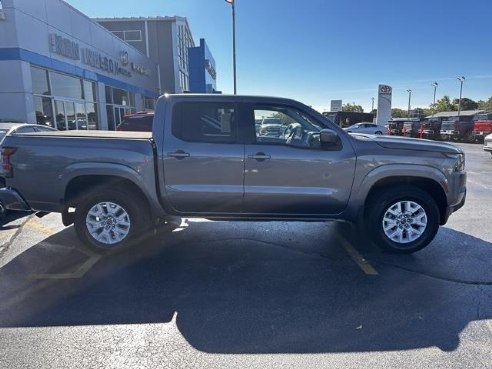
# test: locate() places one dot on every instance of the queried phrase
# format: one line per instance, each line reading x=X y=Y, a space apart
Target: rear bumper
x=11 y=200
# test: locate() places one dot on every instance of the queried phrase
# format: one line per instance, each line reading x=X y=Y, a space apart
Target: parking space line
x=34 y=224
x=366 y=267
x=83 y=269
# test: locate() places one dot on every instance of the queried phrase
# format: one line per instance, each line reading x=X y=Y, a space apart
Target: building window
x=148 y=103
x=62 y=101
x=40 y=83
x=130 y=35
x=118 y=104
x=66 y=86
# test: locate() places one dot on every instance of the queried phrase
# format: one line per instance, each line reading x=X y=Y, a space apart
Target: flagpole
x=234 y=43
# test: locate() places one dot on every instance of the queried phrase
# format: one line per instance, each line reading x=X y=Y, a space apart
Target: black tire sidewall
x=122 y=198
x=386 y=199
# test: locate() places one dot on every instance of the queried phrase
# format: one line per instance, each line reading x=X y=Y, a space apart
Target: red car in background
x=141 y=121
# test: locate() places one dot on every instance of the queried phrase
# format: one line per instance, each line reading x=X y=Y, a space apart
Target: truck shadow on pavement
x=262 y=288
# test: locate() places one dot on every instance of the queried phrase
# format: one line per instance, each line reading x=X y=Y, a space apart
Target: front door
x=203 y=158
x=287 y=172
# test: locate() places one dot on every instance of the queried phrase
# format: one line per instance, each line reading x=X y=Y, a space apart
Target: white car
x=487 y=143
x=366 y=127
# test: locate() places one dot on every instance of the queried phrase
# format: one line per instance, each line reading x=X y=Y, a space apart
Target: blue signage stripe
x=44 y=61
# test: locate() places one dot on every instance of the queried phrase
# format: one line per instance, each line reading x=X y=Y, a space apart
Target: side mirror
x=328 y=137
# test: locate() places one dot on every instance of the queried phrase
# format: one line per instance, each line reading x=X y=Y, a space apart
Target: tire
x=378 y=133
x=124 y=213
x=402 y=220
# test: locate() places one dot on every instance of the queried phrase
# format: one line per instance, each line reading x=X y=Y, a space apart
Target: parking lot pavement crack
x=274 y=244
x=433 y=276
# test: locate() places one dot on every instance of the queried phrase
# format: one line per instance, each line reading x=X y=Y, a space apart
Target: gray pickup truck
x=205 y=158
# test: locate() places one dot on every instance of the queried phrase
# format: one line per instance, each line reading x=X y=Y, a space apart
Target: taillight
x=7 y=169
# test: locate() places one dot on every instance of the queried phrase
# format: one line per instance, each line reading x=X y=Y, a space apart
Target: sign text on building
x=64 y=47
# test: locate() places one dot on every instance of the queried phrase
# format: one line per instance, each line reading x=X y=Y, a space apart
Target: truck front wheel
x=403 y=219
x=108 y=220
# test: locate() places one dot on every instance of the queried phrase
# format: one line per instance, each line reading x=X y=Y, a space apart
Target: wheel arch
x=428 y=185
x=83 y=185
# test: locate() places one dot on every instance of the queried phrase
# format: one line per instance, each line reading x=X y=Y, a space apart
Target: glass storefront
x=118 y=104
x=64 y=102
x=70 y=103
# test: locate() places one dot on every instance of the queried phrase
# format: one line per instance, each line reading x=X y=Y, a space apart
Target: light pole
x=409 y=100
x=461 y=79
x=233 y=3
x=434 y=84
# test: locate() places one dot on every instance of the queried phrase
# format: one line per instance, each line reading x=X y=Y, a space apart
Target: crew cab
x=204 y=158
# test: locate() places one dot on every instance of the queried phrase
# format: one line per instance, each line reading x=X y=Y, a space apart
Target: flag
x=230 y=2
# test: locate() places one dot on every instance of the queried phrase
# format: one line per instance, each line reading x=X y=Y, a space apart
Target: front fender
x=395 y=171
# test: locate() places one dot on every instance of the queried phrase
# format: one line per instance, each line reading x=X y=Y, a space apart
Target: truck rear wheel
x=108 y=220
x=403 y=219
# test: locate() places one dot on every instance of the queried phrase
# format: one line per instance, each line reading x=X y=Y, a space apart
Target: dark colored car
x=140 y=122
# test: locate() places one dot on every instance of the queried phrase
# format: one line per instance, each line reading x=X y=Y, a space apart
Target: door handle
x=259 y=156
x=178 y=154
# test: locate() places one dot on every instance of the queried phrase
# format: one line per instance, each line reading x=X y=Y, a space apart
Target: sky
x=315 y=51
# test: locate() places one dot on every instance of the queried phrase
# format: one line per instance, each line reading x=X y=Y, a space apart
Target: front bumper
x=11 y=200
x=488 y=146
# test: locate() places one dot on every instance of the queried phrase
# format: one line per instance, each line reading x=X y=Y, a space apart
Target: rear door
x=203 y=159
x=294 y=175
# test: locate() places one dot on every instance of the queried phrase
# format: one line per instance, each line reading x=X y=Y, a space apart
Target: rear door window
x=205 y=122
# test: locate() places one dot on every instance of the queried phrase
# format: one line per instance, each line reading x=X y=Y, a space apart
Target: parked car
x=396 y=189
x=487 y=143
x=272 y=127
x=366 y=127
x=140 y=122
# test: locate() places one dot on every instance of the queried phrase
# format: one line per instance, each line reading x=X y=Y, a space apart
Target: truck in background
x=482 y=126
x=459 y=128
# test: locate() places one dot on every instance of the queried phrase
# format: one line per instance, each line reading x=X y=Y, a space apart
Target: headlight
x=459 y=164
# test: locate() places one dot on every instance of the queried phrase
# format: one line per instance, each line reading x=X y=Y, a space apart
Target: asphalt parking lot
x=252 y=295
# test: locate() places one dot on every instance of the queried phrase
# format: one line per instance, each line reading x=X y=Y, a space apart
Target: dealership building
x=60 y=68
x=183 y=67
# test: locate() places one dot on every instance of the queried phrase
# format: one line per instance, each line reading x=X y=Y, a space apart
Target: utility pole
x=461 y=79
x=233 y=3
x=434 y=84
x=409 y=100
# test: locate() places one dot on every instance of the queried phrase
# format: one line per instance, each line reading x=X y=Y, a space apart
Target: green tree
x=466 y=104
x=398 y=113
x=352 y=107
x=443 y=104
x=485 y=105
